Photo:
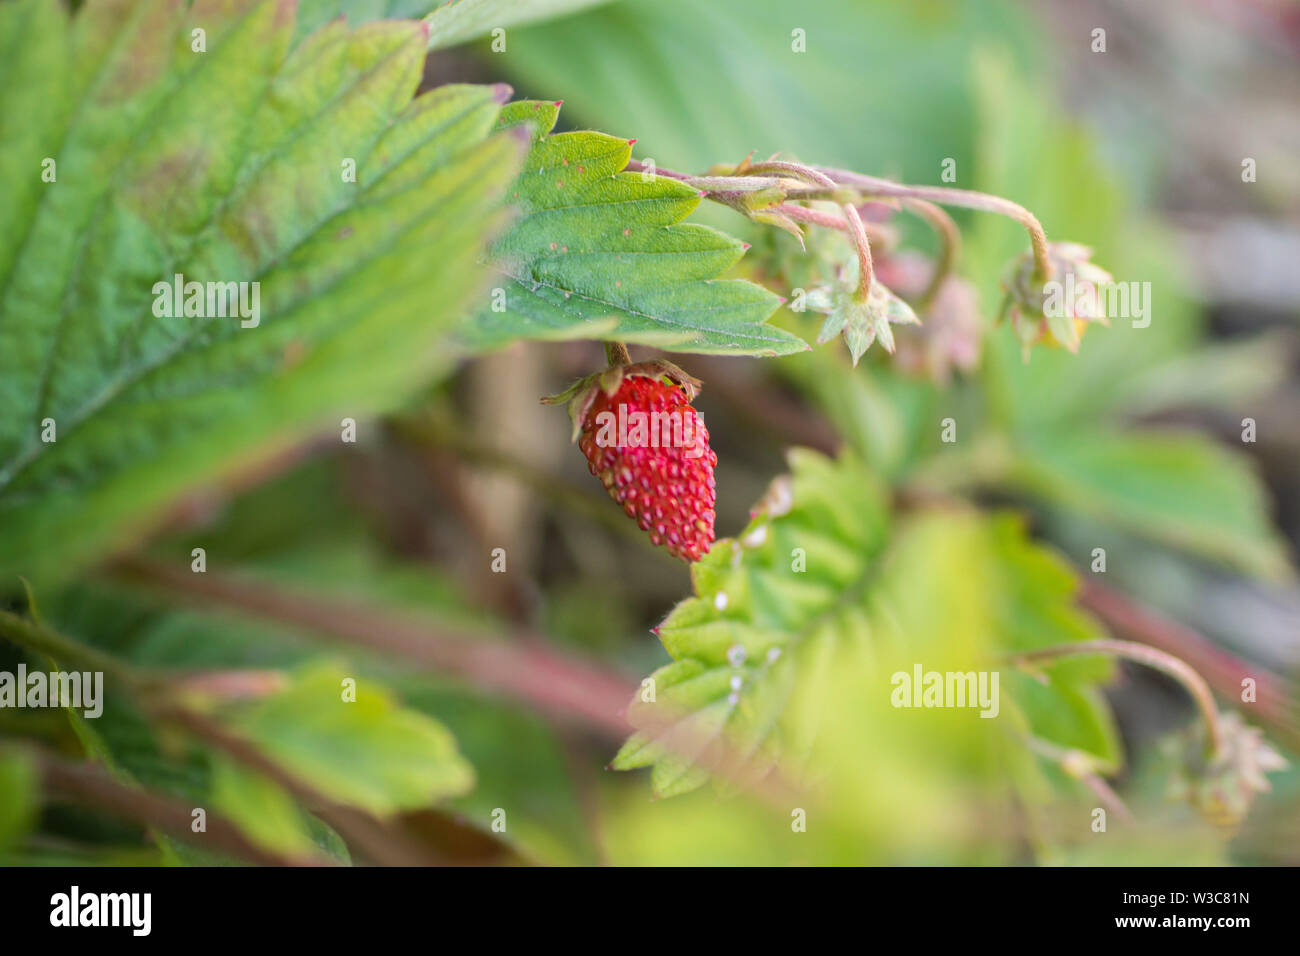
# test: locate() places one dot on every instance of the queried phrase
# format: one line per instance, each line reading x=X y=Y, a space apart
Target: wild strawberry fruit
x=650 y=449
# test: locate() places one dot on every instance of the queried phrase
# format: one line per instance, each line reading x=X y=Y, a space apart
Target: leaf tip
x=501 y=92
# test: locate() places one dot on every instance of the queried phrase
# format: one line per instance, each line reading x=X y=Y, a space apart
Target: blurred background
x=1135 y=149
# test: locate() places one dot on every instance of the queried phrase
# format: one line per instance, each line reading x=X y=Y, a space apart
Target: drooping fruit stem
x=859 y=236
x=873 y=186
x=798 y=182
x=35 y=637
x=949 y=246
x=810 y=174
x=827 y=220
x=1178 y=669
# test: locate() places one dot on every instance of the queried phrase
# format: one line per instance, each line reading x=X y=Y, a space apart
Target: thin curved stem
x=1221 y=669
x=35 y=637
x=829 y=220
x=1166 y=663
x=636 y=166
x=949 y=246
x=815 y=217
x=796 y=170
x=859 y=236
x=966 y=198
x=827 y=183
x=92 y=786
x=553 y=681
x=1077 y=764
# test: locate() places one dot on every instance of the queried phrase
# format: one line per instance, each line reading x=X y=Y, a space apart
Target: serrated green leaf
x=370 y=752
x=1071 y=714
x=978 y=584
x=222 y=166
x=815 y=605
x=597 y=252
x=752 y=606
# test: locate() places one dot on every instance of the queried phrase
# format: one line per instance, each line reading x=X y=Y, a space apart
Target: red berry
x=650 y=449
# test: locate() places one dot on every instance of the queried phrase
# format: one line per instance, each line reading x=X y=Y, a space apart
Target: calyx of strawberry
x=1037 y=309
x=582 y=393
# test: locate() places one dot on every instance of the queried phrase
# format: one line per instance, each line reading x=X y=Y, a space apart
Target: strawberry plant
x=281 y=287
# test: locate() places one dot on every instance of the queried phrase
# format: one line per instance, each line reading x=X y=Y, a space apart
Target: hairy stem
x=873 y=186
x=616 y=353
x=816 y=217
x=1165 y=663
x=1077 y=764
x=548 y=679
x=829 y=220
x=636 y=166
x=809 y=174
x=35 y=637
x=1222 y=670
x=801 y=182
x=949 y=246
x=863 y=245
